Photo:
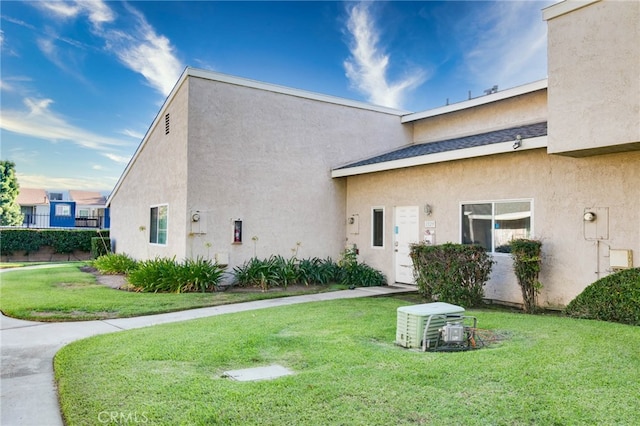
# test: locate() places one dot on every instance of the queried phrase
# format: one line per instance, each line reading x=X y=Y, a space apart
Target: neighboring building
x=34 y=206
x=91 y=210
x=232 y=168
x=62 y=209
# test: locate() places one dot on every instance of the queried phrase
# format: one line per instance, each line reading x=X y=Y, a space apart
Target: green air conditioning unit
x=413 y=319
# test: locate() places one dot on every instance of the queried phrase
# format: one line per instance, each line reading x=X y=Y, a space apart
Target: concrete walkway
x=28 y=395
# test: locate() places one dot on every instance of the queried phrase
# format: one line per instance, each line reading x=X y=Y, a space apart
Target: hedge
x=62 y=240
x=452 y=273
x=614 y=298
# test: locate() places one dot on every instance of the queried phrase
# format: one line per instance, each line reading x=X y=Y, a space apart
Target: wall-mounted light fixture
x=195 y=217
x=518 y=142
x=427 y=209
x=589 y=217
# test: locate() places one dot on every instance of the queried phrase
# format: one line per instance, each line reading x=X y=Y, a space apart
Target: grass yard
x=67 y=294
x=551 y=370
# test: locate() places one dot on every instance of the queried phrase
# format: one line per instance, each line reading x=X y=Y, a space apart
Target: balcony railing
x=44 y=221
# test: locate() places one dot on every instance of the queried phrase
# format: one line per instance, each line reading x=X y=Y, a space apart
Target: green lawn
x=551 y=370
x=67 y=294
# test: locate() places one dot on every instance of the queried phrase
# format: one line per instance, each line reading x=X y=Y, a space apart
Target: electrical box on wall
x=596 y=223
x=353 y=222
x=198 y=222
x=222 y=258
x=620 y=259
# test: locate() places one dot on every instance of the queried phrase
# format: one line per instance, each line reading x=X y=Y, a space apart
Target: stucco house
x=63 y=209
x=233 y=168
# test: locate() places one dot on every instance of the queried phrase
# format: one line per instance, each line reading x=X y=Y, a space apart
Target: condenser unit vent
x=412 y=321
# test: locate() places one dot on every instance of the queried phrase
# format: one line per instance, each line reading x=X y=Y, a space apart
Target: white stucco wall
x=157 y=175
x=524 y=109
x=594 y=69
x=560 y=187
x=265 y=158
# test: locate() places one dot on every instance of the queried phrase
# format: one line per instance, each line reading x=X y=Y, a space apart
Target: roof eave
x=457 y=154
x=481 y=100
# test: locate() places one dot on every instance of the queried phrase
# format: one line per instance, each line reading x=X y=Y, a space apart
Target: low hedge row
x=62 y=240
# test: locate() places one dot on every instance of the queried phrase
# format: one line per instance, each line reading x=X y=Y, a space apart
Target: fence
x=44 y=221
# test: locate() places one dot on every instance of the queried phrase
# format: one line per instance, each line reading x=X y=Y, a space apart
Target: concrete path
x=27 y=387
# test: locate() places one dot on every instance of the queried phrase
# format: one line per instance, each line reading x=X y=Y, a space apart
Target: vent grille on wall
x=166 y=124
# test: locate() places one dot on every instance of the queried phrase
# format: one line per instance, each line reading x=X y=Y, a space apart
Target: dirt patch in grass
x=56 y=315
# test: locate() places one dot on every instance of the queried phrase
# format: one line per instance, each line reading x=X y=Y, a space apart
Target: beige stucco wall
x=560 y=187
x=265 y=158
x=594 y=69
x=524 y=109
x=157 y=176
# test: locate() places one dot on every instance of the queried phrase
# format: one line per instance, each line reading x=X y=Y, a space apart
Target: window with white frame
x=63 y=210
x=377 y=227
x=493 y=224
x=158 y=225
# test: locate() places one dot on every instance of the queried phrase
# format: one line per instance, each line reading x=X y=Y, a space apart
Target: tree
x=9 y=189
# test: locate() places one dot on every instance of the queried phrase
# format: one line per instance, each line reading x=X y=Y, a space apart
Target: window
x=377 y=227
x=166 y=124
x=494 y=224
x=158 y=225
x=63 y=210
x=55 y=196
x=28 y=215
x=83 y=213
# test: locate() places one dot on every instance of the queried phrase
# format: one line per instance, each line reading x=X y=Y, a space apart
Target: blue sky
x=81 y=81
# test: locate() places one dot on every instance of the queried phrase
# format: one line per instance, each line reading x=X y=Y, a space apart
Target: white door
x=406 y=232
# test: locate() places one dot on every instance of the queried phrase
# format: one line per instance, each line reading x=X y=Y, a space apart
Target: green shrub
x=354 y=274
x=163 y=275
x=115 y=263
x=62 y=240
x=278 y=271
x=614 y=298
x=317 y=271
x=527 y=261
x=452 y=273
x=100 y=246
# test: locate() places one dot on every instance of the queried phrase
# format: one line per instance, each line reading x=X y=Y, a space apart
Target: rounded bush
x=614 y=298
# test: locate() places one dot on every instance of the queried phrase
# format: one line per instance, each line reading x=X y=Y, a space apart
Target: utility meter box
x=412 y=321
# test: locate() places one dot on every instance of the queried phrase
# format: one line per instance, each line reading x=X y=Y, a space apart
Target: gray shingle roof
x=417 y=150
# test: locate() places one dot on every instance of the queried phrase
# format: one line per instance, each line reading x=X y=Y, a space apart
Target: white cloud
x=97 y=11
x=78 y=182
x=147 y=53
x=134 y=43
x=133 y=134
x=120 y=159
x=40 y=122
x=508 y=44
x=368 y=64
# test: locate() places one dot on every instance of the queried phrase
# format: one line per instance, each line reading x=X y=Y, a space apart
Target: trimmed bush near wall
x=451 y=273
x=614 y=298
x=527 y=261
x=100 y=246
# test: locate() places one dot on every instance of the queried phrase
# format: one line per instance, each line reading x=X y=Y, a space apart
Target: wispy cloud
x=510 y=47
x=41 y=122
x=368 y=65
x=77 y=182
x=131 y=39
x=120 y=159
